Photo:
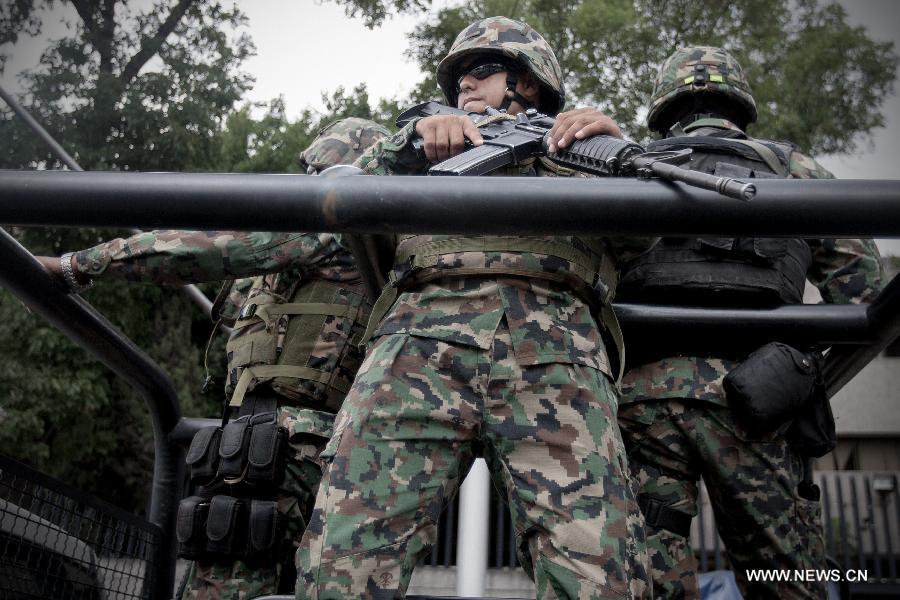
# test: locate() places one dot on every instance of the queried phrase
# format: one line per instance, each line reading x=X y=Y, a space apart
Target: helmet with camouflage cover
x=341 y=142
x=700 y=70
x=509 y=39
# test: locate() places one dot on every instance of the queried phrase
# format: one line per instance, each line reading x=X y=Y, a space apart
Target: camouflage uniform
x=678 y=427
x=269 y=265
x=490 y=349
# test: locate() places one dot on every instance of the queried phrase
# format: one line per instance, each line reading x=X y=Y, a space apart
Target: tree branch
x=151 y=45
x=83 y=8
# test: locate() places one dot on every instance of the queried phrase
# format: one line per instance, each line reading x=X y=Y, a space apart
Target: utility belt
x=592 y=275
x=236 y=468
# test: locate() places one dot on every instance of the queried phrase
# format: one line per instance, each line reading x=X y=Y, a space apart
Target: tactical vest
x=722 y=271
x=304 y=344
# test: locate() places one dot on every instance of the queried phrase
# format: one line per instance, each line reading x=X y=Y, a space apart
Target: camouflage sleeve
x=844 y=270
x=177 y=257
x=393 y=155
x=806 y=167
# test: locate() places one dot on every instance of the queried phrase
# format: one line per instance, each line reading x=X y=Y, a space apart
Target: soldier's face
x=475 y=95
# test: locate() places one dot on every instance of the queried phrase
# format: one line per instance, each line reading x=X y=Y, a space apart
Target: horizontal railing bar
x=474 y=205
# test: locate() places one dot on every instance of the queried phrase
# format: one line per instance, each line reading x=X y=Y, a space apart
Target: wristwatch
x=65 y=265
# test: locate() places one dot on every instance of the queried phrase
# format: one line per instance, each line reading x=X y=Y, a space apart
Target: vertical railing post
x=472 y=531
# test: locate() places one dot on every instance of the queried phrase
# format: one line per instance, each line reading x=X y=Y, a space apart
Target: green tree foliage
x=818 y=81
x=127 y=90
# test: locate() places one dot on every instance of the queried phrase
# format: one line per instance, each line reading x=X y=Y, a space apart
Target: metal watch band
x=65 y=265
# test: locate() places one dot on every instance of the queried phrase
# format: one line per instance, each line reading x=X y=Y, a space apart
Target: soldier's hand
x=579 y=124
x=51 y=264
x=445 y=136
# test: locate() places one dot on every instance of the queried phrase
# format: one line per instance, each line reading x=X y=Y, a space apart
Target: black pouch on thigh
x=202 y=457
x=771 y=387
x=267 y=451
x=190 y=527
x=813 y=432
x=266 y=526
x=253 y=451
x=226 y=530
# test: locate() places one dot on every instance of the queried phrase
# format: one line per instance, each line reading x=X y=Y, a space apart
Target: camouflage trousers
x=308 y=431
x=752 y=485
x=419 y=413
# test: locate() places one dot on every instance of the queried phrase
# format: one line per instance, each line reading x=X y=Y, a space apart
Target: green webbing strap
x=608 y=316
x=272 y=371
x=767 y=155
x=268 y=312
x=382 y=306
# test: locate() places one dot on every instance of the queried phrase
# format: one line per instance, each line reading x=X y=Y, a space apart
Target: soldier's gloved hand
x=445 y=136
x=579 y=124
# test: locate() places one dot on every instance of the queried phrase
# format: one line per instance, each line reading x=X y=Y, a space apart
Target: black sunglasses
x=481 y=71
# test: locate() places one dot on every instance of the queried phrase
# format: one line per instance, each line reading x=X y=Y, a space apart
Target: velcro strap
x=658 y=514
x=271 y=371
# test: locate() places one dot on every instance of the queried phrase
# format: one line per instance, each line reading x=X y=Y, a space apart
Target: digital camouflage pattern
x=678 y=77
x=466 y=363
x=341 y=142
x=512 y=39
x=678 y=428
x=752 y=485
x=421 y=410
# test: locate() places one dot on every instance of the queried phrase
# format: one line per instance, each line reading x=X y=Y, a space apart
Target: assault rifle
x=511 y=140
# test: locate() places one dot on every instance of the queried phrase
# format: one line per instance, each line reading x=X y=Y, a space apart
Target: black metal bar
x=842 y=522
x=883 y=316
x=514 y=205
x=45 y=137
x=22 y=275
x=826 y=506
x=889 y=550
x=854 y=496
x=876 y=555
x=800 y=324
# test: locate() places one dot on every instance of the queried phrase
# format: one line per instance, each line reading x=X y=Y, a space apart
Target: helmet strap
x=512 y=80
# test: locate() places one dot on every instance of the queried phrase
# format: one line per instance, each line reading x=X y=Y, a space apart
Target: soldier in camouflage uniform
x=303 y=360
x=485 y=346
x=674 y=415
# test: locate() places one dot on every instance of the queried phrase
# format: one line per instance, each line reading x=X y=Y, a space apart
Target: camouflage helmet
x=341 y=142
x=511 y=39
x=700 y=70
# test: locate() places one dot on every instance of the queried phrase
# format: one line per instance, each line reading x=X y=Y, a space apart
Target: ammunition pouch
x=250 y=450
x=229 y=527
x=813 y=432
x=661 y=516
x=771 y=387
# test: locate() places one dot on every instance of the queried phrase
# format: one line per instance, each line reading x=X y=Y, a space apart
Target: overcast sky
x=307 y=47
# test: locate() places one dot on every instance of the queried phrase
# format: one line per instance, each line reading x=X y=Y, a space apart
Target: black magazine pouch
x=266 y=529
x=267 y=451
x=190 y=527
x=233 y=449
x=771 y=387
x=203 y=456
x=226 y=530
